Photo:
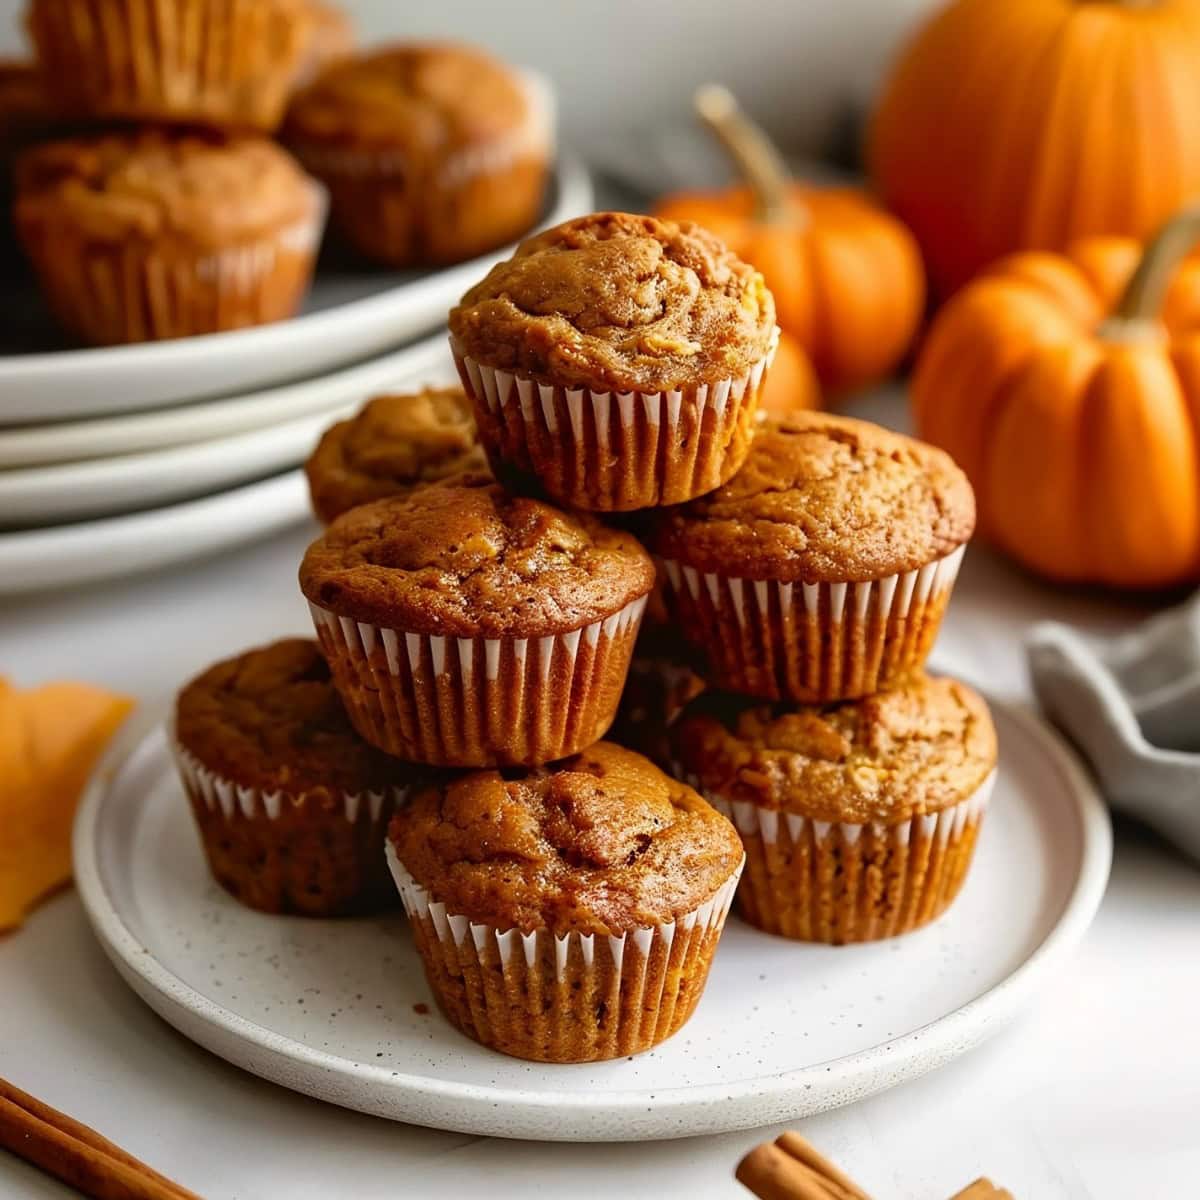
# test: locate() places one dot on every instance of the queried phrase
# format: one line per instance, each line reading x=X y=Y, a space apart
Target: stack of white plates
x=120 y=459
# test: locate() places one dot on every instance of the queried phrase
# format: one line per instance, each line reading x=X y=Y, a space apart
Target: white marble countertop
x=1095 y=1092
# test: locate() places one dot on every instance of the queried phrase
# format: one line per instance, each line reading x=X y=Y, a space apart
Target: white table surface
x=1095 y=1092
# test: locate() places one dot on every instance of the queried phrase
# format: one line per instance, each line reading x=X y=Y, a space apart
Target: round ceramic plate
x=86 y=551
x=340 y=1010
x=134 y=433
x=351 y=313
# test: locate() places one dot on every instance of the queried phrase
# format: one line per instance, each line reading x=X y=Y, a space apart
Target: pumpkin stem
x=1143 y=297
x=754 y=154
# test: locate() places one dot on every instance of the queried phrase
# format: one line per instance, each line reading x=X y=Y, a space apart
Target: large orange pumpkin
x=1068 y=389
x=846 y=276
x=1028 y=124
x=792 y=384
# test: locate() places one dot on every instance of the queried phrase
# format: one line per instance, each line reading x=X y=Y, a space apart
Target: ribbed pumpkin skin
x=1028 y=124
x=1081 y=446
x=846 y=276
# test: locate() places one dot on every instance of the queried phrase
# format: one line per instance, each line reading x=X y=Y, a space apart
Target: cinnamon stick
x=982 y=1189
x=76 y=1154
x=790 y=1168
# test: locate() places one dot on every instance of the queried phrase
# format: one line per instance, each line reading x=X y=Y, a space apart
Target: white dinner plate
x=90 y=550
x=104 y=437
x=339 y=1009
x=350 y=314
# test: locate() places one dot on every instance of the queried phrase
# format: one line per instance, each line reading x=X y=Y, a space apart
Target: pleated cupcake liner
x=811 y=642
x=615 y=451
x=568 y=997
x=839 y=882
x=279 y=851
x=476 y=702
x=132 y=292
x=192 y=61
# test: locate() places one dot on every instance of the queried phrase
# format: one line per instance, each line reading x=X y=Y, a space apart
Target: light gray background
x=798 y=64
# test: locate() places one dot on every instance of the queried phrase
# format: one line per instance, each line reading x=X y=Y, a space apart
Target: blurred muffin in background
x=392 y=444
x=149 y=235
x=331 y=38
x=432 y=153
x=204 y=62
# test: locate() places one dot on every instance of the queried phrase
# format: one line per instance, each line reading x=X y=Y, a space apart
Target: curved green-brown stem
x=754 y=154
x=1142 y=300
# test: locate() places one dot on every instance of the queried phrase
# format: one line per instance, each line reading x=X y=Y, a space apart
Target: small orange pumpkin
x=846 y=276
x=1068 y=389
x=792 y=384
x=1029 y=124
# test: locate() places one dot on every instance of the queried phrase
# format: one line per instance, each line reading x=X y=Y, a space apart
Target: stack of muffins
x=478 y=596
x=170 y=212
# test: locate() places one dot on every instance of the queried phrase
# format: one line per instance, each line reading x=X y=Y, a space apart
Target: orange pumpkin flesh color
x=792 y=384
x=1030 y=124
x=846 y=276
x=1068 y=389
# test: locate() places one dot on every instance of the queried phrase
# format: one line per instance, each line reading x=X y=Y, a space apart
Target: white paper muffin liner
x=280 y=851
x=473 y=702
x=836 y=882
x=570 y=997
x=615 y=451
x=812 y=642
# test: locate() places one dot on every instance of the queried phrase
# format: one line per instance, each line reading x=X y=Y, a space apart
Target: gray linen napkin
x=1132 y=706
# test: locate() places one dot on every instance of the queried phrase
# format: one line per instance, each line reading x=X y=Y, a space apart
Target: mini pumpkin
x=846 y=276
x=1068 y=389
x=1028 y=124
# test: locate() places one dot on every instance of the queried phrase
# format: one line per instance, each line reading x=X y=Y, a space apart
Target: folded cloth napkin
x=1132 y=706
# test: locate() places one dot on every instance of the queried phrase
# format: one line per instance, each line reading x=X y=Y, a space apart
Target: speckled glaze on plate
x=341 y=1011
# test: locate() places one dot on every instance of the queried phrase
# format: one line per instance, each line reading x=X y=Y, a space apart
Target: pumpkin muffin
x=215 y=63
x=393 y=444
x=822 y=569
x=291 y=805
x=467 y=627
x=859 y=819
x=618 y=358
x=566 y=913
x=149 y=235
x=432 y=153
x=331 y=39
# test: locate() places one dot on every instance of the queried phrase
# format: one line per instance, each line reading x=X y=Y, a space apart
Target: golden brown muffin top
x=270 y=719
x=824 y=499
x=423 y=99
x=619 y=302
x=392 y=444
x=891 y=756
x=473 y=562
x=600 y=843
x=204 y=188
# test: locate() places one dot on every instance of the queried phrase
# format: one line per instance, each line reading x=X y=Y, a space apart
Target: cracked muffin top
x=270 y=719
x=424 y=99
x=616 y=302
x=600 y=843
x=392 y=444
x=207 y=189
x=889 y=757
x=473 y=562
x=824 y=499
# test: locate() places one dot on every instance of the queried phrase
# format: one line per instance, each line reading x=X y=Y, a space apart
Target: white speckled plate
x=340 y=1010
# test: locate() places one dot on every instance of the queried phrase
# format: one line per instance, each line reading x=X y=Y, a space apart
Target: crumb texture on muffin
x=619 y=302
x=203 y=188
x=602 y=842
x=270 y=719
x=427 y=99
x=473 y=562
x=824 y=499
x=393 y=443
x=888 y=757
